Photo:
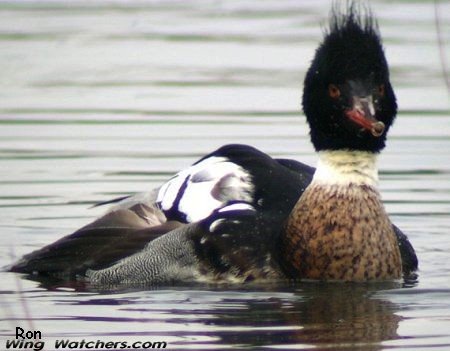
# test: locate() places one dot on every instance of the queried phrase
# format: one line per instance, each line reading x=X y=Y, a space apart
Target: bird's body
x=238 y=215
x=339 y=229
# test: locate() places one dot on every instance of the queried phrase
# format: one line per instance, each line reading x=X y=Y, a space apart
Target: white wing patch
x=204 y=187
x=237 y=207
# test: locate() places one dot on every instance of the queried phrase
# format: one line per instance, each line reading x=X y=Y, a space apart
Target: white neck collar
x=345 y=167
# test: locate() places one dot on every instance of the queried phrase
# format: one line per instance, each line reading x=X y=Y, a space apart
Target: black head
x=348 y=99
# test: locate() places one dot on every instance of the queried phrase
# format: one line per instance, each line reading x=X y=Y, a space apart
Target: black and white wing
x=233 y=173
x=194 y=193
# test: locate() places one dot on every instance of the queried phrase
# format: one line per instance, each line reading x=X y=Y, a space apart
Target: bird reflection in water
x=320 y=315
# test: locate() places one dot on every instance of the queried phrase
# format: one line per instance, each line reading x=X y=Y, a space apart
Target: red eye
x=381 y=90
x=334 y=91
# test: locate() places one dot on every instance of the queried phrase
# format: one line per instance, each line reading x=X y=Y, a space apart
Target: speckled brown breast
x=337 y=233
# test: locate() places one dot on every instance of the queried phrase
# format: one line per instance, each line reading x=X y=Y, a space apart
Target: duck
x=239 y=215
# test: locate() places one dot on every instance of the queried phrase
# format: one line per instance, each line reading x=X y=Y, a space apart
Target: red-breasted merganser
x=238 y=215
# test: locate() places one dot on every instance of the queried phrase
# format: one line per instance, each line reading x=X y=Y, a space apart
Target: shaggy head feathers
x=350 y=51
